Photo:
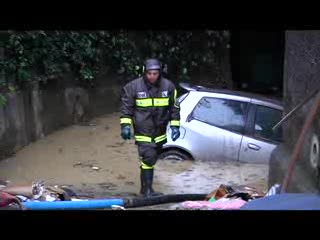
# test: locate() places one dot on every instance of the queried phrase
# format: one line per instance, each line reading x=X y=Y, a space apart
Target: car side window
x=265 y=119
x=223 y=113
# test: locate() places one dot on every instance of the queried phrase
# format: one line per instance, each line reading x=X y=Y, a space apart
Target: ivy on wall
x=38 y=56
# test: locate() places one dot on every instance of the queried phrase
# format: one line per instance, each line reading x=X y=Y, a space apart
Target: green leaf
x=12 y=89
x=3 y=100
x=24 y=74
x=184 y=71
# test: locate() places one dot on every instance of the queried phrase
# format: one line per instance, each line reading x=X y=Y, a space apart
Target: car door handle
x=254 y=147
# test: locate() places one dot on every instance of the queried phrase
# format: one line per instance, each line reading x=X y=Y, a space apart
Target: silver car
x=222 y=125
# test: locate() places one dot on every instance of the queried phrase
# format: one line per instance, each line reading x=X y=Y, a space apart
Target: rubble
x=223 y=198
x=38 y=191
x=7 y=199
x=96 y=168
x=275 y=189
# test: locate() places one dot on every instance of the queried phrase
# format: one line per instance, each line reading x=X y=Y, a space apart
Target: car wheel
x=175 y=155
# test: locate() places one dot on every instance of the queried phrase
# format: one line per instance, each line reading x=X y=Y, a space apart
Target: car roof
x=255 y=96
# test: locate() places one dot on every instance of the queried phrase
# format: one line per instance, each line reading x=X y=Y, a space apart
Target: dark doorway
x=257 y=61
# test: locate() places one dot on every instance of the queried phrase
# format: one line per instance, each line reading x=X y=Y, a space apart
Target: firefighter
x=148 y=104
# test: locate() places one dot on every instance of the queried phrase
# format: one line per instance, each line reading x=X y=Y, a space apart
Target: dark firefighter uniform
x=149 y=108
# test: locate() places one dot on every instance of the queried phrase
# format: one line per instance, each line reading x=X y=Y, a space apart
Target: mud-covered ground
x=96 y=162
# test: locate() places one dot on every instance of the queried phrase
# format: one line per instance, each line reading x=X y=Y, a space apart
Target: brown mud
x=96 y=162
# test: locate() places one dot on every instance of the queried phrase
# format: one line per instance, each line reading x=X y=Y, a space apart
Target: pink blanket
x=220 y=204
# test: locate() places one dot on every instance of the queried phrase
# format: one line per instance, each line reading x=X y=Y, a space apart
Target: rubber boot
x=142 y=182
x=146 y=186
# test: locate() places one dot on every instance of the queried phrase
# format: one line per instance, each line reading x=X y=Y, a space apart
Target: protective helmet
x=152 y=64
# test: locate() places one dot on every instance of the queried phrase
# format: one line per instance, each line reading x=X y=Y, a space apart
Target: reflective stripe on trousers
x=158 y=139
x=148 y=154
x=175 y=123
x=145 y=166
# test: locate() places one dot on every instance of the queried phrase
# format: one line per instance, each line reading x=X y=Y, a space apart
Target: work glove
x=175 y=133
x=126 y=132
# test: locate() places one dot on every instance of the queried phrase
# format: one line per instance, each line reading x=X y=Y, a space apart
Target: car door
x=259 y=139
x=214 y=129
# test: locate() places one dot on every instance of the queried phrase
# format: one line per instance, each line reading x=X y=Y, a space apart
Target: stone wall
x=301 y=77
x=31 y=114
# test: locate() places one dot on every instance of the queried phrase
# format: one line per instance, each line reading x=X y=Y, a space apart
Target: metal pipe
x=289 y=114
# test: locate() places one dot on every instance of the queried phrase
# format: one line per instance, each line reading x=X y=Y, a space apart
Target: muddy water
x=95 y=161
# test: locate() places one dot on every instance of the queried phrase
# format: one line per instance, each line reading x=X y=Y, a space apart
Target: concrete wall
x=301 y=77
x=34 y=113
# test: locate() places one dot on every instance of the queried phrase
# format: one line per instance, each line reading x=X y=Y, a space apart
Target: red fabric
x=6 y=199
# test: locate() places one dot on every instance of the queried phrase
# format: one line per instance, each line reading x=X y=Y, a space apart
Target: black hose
x=172 y=198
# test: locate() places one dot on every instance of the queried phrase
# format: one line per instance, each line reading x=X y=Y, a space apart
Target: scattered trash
x=22 y=198
x=275 y=189
x=7 y=200
x=212 y=199
x=219 y=193
x=37 y=189
x=225 y=191
x=71 y=193
x=117 y=207
x=50 y=199
x=253 y=192
x=40 y=196
x=224 y=198
x=88 y=164
x=77 y=164
x=37 y=192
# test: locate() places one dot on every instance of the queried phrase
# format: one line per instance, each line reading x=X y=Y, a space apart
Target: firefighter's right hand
x=126 y=132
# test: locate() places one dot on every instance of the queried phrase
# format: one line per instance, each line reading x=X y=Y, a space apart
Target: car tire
x=175 y=155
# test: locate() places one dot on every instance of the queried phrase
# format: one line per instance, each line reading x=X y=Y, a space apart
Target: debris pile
x=12 y=197
x=223 y=198
x=38 y=196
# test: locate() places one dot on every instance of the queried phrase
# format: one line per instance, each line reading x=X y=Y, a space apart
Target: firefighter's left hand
x=126 y=132
x=175 y=133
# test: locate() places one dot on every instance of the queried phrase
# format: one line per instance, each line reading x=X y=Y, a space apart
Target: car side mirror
x=189 y=118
